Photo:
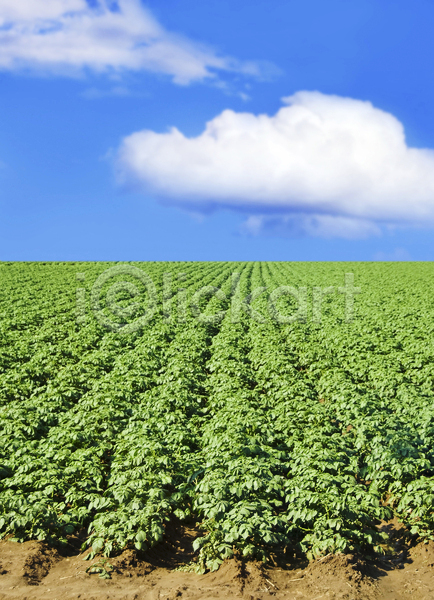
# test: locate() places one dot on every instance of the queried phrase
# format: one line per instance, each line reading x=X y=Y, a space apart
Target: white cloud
x=67 y=36
x=336 y=164
x=11 y=10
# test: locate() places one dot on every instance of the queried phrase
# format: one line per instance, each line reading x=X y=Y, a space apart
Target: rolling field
x=283 y=424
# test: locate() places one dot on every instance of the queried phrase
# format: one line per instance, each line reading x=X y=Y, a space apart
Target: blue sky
x=92 y=169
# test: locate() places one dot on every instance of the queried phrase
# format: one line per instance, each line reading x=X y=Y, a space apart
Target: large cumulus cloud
x=337 y=166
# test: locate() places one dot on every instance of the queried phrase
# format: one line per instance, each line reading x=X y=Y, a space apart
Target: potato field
x=263 y=401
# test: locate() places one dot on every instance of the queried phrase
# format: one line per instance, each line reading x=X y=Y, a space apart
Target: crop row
x=296 y=437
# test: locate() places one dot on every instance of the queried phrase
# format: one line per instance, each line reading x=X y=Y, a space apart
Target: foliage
x=298 y=436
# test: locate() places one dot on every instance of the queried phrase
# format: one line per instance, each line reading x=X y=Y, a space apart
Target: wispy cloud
x=328 y=165
x=117 y=91
x=301 y=225
x=398 y=254
x=69 y=36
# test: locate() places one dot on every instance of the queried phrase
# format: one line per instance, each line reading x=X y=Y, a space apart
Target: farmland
x=290 y=436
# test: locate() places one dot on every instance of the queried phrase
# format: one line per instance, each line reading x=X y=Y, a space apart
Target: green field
x=125 y=407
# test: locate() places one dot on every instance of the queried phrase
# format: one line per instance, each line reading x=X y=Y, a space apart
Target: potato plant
x=296 y=435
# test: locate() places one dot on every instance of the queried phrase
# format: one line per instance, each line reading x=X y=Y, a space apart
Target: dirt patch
x=32 y=571
x=39 y=562
x=423 y=554
x=338 y=576
x=177 y=547
x=411 y=576
x=129 y=564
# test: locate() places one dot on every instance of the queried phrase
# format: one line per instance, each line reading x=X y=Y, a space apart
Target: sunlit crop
x=274 y=437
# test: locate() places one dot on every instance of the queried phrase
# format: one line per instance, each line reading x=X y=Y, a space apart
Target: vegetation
x=274 y=436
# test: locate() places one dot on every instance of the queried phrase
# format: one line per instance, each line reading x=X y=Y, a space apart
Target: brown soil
x=33 y=570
